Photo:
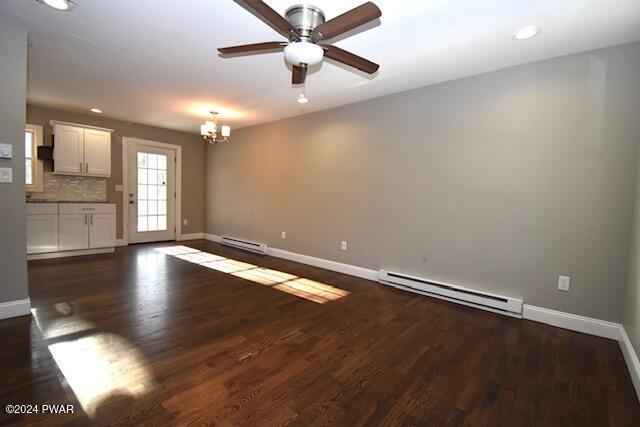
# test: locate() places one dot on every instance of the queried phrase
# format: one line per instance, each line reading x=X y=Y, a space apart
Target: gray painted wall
x=499 y=182
x=631 y=318
x=13 y=89
x=192 y=158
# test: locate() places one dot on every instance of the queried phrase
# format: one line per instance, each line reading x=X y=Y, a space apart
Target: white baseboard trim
x=213 y=237
x=631 y=358
x=573 y=322
x=121 y=242
x=192 y=236
x=65 y=254
x=339 y=267
x=15 y=308
x=351 y=270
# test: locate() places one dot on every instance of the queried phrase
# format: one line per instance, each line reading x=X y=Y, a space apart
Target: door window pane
x=142 y=223
x=153 y=161
x=153 y=223
x=152 y=192
x=142 y=176
x=142 y=207
x=142 y=192
x=142 y=160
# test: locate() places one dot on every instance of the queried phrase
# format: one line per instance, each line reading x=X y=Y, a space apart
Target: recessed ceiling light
x=302 y=99
x=526 y=33
x=59 y=4
x=96 y=110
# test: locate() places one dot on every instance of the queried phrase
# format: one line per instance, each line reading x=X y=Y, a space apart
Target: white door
x=68 y=149
x=42 y=233
x=97 y=152
x=74 y=232
x=152 y=193
x=102 y=230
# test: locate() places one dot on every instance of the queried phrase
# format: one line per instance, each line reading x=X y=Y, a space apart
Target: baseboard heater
x=259 y=248
x=495 y=303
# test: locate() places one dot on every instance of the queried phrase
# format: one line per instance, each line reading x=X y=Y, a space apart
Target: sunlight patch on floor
x=301 y=287
x=95 y=365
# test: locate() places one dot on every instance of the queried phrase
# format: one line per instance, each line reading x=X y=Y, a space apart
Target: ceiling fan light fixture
x=303 y=53
x=63 y=5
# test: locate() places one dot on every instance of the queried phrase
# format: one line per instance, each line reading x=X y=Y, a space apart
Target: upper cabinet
x=81 y=150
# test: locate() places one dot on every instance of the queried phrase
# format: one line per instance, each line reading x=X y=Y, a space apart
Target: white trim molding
x=17 y=308
x=121 y=242
x=631 y=358
x=65 y=254
x=351 y=270
x=191 y=236
x=573 y=322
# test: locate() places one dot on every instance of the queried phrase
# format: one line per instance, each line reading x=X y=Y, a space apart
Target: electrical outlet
x=185 y=222
x=119 y=188
x=564 y=283
x=283 y=235
x=343 y=246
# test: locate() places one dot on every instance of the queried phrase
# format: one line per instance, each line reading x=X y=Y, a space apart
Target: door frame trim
x=126 y=140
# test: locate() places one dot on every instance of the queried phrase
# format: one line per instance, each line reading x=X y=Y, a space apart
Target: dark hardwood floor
x=144 y=337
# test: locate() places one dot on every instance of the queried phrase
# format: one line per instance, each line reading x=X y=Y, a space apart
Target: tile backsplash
x=67 y=188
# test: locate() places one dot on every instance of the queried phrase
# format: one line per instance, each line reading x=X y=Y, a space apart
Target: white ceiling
x=155 y=62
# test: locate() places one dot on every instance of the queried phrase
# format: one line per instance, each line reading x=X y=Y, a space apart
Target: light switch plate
x=6 y=175
x=6 y=151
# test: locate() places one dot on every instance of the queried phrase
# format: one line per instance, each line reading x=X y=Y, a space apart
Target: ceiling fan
x=305 y=28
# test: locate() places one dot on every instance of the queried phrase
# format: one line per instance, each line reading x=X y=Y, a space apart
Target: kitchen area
x=68 y=211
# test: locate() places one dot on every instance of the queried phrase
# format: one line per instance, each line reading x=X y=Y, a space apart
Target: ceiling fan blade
x=350 y=59
x=252 y=47
x=347 y=21
x=273 y=17
x=299 y=75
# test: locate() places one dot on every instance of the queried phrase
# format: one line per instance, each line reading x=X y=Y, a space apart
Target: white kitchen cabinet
x=81 y=150
x=102 y=230
x=68 y=149
x=74 y=232
x=97 y=152
x=42 y=228
x=70 y=228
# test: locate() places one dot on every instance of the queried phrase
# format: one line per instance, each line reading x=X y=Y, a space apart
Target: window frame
x=37 y=165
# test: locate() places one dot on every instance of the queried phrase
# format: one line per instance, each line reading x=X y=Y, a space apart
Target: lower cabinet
x=102 y=230
x=74 y=232
x=42 y=229
x=70 y=226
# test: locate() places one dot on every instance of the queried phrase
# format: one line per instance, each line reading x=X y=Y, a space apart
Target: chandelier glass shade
x=209 y=130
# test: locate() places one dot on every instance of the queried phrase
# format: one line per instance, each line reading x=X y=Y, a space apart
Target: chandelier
x=209 y=130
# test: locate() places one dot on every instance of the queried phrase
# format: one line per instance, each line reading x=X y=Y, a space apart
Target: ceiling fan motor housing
x=304 y=18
